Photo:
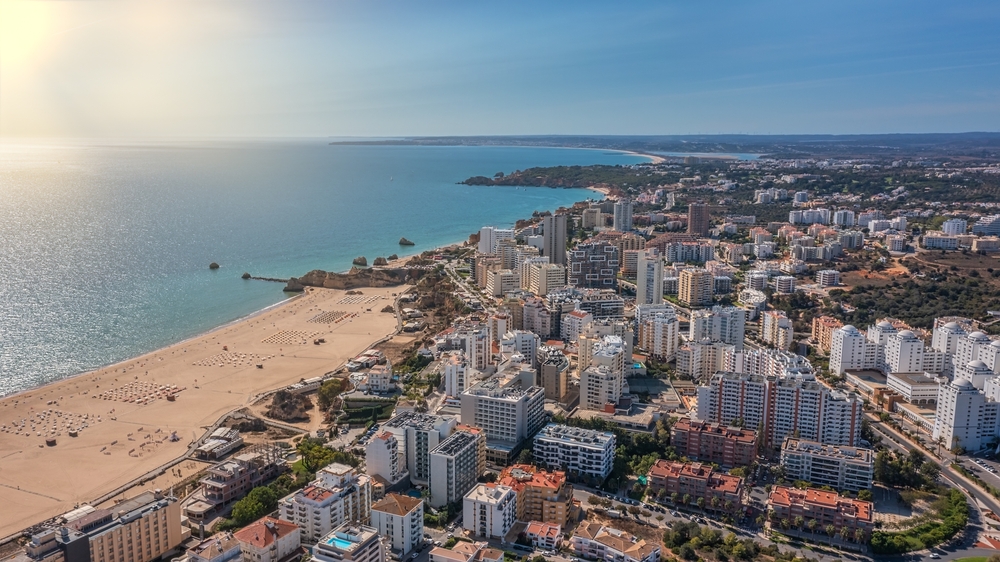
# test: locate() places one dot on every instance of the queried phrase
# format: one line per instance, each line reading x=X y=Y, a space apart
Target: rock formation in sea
x=393 y=257
x=405 y=242
x=360 y=260
x=246 y=275
x=354 y=279
x=213 y=265
x=380 y=261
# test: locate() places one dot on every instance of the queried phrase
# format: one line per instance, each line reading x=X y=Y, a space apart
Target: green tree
x=328 y=393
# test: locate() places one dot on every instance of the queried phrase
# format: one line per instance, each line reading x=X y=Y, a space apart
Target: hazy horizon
x=258 y=70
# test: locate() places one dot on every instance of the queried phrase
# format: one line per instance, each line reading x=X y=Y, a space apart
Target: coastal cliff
x=355 y=278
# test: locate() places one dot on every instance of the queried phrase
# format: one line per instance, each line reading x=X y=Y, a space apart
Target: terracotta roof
x=786 y=497
x=265 y=531
x=520 y=476
x=539 y=529
x=734 y=433
x=316 y=493
x=696 y=470
x=396 y=504
x=588 y=529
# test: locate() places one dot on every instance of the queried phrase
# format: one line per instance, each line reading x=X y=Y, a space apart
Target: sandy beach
x=124 y=421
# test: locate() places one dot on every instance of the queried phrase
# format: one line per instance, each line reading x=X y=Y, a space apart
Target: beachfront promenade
x=123 y=419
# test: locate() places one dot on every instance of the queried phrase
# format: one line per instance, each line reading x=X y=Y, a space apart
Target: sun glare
x=25 y=28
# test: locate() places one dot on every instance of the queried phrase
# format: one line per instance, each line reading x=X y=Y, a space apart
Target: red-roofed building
x=543 y=535
x=696 y=480
x=541 y=496
x=712 y=442
x=850 y=518
x=269 y=540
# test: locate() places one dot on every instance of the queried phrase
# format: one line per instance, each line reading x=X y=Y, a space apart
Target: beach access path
x=124 y=421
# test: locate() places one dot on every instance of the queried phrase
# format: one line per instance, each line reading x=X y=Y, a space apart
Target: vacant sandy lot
x=124 y=421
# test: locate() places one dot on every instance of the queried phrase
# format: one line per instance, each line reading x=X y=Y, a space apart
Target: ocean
x=105 y=247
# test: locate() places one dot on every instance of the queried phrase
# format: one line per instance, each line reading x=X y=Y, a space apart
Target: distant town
x=709 y=358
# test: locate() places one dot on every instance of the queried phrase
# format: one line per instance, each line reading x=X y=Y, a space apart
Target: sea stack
x=380 y=261
x=405 y=242
x=246 y=275
x=393 y=257
x=213 y=265
x=360 y=260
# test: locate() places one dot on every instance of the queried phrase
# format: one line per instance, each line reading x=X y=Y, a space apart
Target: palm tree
x=714 y=502
x=830 y=530
x=812 y=525
x=844 y=532
x=760 y=520
x=687 y=499
x=799 y=521
x=701 y=502
x=673 y=498
x=859 y=535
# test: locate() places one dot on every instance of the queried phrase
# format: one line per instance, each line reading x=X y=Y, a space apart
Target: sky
x=385 y=68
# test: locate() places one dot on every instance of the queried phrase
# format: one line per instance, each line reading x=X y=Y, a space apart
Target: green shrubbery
x=952 y=515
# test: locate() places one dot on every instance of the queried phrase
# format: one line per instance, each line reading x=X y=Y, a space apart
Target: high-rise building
x=726 y=324
x=659 y=335
x=554 y=238
x=490 y=238
x=955 y=226
x=541 y=496
x=592 y=218
x=382 y=458
x=456 y=463
x=489 y=510
x=623 y=215
x=715 y=443
x=600 y=386
x=649 y=278
x=506 y=413
x=904 y=353
x=594 y=265
x=400 y=519
x=782 y=407
x=699 y=360
x=822 y=331
x=698 y=219
x=843 y=217
x=776 y=329
x=417 y=434
x=544 y=278
x=695 y=287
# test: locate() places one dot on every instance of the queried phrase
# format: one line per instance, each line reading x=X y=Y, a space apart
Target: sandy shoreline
x=124 y=421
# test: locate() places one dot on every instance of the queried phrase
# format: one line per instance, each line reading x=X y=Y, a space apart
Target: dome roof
x=850 y=329
x=907 y=334
x=995 y=343
x=977 y=364
x=884 y=324
x=977 y=335
x=951 y=325
x=962 y=383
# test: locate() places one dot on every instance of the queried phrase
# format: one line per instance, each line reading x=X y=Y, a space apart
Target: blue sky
x=378 y=68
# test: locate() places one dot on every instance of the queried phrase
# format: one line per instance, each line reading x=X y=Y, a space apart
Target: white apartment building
x=659 y=335
x=599 y=386
x=583 y=454
x=965 y=417
x=934 y=240
x=766 y=362
x=505 y=413
x=828 y=278
x=400 y=519
x=701 y=360
x=649 y=278
x=350 y=543
x=843 y=217
x=904 y=353
x=776 y=329
x=489 y=510
x=946 y=336
x=840 y=467
x=417 y=434
x=851 y=351
x=975 y=372
x=609 y=351
x=490 y=238
x=457 y=374
x=383 y=458
x=523 y=343
x=989 y=225
x=719 y=324
x=574 y=323
x=971 y=347
x=622 y=221
x=809 y=216
x=338 y=494
x=594 y=336
x=784 y=284
x=456 y=464
x=955 y=226
x=756 y=280
x=916 y=388
x=895 y=243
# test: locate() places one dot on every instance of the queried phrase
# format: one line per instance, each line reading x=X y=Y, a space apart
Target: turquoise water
x=341 y=543
x=104 y=248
